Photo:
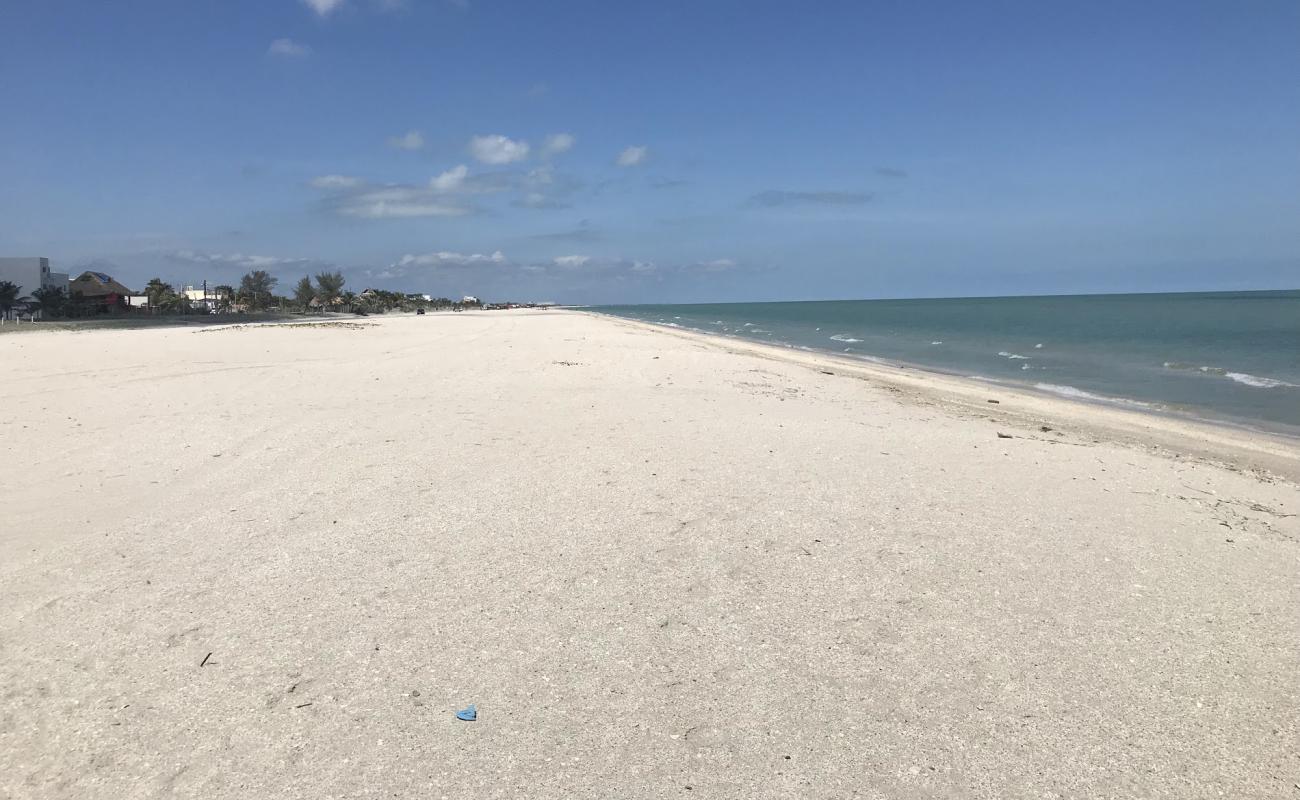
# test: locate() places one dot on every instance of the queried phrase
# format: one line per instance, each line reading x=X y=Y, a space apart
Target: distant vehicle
x=419 y=312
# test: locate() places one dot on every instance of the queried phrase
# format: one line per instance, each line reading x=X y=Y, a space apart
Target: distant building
x=210 y=298
x=99 y=289
x=30 y=274
x=469 y=300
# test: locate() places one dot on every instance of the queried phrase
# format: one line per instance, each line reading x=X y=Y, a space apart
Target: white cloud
x=375 y=205
x=335 y=182
x=717 y=265
x=323 y=7
x=539 y=200
x=396 y=202
x=444 y=258
x=557 y=143
x=632 y=156
x=571 y=262
x=451 y=180
x=411 y=140
x=497 y=149
x=288 y=48
x=240 y=260
x=352 y=197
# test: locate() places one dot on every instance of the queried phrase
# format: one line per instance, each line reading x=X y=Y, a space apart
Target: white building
x=211 y=298
x=30 y=274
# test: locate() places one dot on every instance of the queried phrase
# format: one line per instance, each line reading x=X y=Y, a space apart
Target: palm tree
x=304 y=292
x=329 y=285
x=173 y=302
x=51 y=299
x=8 y=297
x=225 y=296
x=157 y=291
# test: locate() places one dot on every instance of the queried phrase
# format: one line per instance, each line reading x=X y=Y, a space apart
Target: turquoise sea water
x=1232 y=356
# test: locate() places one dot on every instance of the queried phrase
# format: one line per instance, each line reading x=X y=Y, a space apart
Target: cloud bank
x=777 y=197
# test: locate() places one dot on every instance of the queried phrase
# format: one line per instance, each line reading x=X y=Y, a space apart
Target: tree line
x=256 y=292
x=52 y=301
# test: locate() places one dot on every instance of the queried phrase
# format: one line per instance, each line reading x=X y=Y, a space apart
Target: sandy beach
x=274 y=560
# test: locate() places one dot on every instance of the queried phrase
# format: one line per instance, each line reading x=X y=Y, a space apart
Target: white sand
x=674 y=563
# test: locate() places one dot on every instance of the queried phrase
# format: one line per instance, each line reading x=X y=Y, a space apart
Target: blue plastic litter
x=469 y=714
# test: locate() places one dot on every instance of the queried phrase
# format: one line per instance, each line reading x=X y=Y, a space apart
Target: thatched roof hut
x=96 y=284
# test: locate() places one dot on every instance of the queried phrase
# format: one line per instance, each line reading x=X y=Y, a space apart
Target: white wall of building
x=31 y=274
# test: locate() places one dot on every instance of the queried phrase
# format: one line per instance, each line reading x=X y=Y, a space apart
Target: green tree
x=225 y=295
x=256 y=287
x=329 y=285
x=158 y=292
x=174 y=303
x=51 y=299
x=304 y=292
x=8 y=296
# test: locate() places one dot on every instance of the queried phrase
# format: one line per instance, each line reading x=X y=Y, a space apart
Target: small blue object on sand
x=468 y=715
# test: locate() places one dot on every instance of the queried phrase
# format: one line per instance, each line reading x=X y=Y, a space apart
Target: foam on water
x=1256 y=381
x=1245 y=378
x=841 y=337
x=1012 y=356
x=1079 y=394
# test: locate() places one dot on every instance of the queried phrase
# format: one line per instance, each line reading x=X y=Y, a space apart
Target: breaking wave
x=840 y=337
x=1240 y=377
x=1079 y=394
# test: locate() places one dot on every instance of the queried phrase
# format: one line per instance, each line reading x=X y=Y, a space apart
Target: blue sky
x=658 y=151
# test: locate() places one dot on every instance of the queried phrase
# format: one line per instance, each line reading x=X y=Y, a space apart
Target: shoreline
x=1255 y=387
x=1229 y=440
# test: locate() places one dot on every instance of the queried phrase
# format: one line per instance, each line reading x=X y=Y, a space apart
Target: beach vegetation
x=8 y=297
x=158 y=292
x=304 y=293
x=329 y=288
x=225 y=297
x=50 y=299
x=256 y=290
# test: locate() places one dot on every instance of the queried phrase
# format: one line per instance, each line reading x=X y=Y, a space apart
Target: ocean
x=1226 y=356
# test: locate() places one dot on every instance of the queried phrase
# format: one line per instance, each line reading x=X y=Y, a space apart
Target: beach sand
x=273 y=561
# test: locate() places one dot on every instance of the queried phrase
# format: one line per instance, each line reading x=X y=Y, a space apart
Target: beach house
x=99 y=292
